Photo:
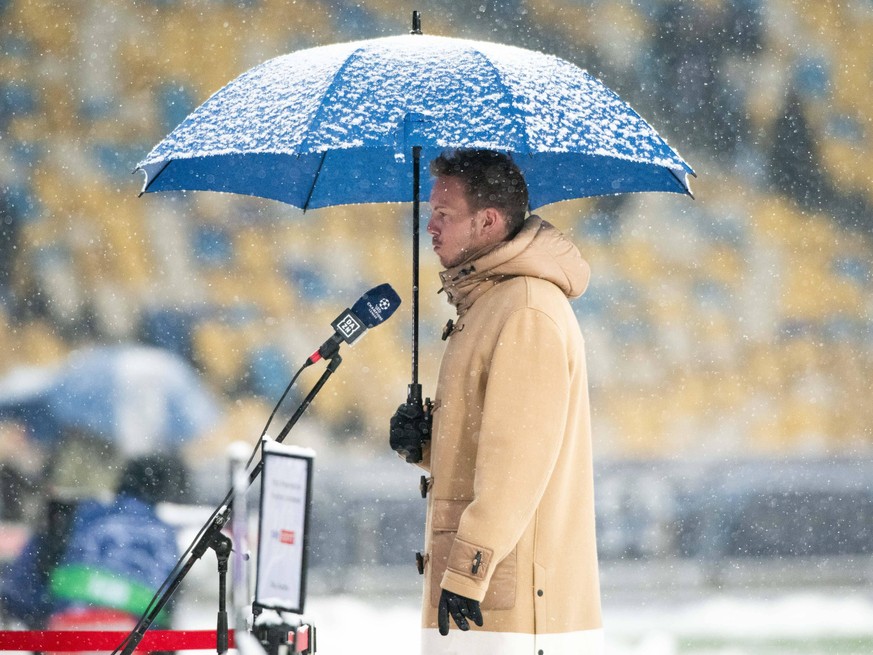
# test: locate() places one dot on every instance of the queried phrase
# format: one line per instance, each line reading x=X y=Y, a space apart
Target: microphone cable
x=285 y=393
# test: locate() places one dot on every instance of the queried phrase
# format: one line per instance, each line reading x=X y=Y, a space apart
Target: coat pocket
x=502 y=587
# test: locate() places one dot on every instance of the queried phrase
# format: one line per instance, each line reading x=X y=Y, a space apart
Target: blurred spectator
x=97 y=565
x=82 y=465
x=21 y=466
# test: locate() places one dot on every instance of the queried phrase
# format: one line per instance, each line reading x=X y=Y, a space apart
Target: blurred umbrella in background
x=138 y=398
x=349 y=123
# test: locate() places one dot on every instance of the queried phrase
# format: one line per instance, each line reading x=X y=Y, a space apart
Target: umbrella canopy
x=337 y=124
x=143 y=399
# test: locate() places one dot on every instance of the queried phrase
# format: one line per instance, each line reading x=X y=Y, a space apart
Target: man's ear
x=493 y=223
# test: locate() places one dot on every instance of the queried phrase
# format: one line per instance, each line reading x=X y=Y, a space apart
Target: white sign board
x=286 y=487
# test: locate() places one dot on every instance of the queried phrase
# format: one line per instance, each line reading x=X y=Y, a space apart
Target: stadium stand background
x=736 y=323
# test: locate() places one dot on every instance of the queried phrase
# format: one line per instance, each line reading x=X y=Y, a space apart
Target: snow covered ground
x=807 y=623
x=813 y=623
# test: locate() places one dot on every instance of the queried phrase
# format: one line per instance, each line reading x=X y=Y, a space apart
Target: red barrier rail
x=108 y=640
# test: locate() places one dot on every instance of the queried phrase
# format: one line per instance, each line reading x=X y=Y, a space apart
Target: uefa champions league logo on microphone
x=376 y=309
x=376 y=305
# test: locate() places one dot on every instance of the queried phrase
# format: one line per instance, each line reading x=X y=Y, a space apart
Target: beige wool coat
x=510 y=518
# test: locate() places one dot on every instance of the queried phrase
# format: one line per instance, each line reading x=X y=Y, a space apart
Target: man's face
x=456 y=229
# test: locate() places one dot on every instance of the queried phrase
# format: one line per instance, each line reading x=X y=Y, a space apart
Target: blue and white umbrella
x=336 y=125
x=142 y=399
x=349 y=123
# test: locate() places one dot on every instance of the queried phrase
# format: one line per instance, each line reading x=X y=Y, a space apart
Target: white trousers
x=478 y=642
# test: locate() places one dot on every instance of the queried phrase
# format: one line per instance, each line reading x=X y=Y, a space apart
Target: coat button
x=539 y=592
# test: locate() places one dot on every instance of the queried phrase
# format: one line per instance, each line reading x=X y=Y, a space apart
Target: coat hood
x=539 y=250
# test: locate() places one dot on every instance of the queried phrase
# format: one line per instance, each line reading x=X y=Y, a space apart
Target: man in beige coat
x=510 y=551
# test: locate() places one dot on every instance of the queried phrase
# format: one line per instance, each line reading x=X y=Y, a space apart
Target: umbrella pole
x=413 y=420
x=413 y=397
x=416 y=201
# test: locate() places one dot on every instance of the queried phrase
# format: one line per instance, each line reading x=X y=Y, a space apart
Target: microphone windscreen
x=377 y=305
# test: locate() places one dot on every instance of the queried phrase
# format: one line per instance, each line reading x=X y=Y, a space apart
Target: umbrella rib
x=685 y=186
x=148 y=183
x=511 y=97
x=314 y=180
x=316 y=119
x=327 y=92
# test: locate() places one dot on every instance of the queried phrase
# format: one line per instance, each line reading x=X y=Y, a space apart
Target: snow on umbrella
x=143 y=399
x=348 y=123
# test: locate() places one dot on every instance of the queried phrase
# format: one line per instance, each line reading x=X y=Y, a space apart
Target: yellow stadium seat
x=218 y=351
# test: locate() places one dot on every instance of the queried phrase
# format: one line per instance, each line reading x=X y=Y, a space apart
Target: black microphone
x=371 y=309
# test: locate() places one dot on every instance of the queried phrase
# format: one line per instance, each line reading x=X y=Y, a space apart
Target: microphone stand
x=211 y=537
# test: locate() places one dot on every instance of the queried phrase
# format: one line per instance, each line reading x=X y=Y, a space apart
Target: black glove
x=460 y=608
x=410 y=430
